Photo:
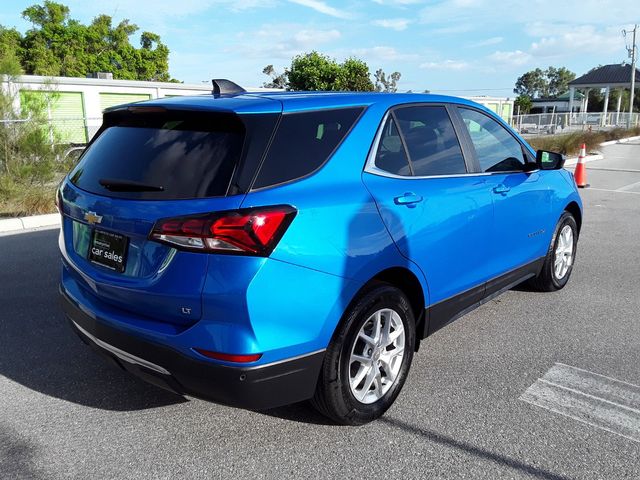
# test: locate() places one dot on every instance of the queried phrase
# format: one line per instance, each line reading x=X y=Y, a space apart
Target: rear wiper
x=114 y=185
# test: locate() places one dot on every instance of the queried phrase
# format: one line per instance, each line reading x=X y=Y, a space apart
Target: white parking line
x=613 y=169
x=597 y=400
x=614 y=191
x=629 y=187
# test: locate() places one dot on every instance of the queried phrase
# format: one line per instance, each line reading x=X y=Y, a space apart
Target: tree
x=277 y=80
x=10 y=50
x=314 y=71
x=544 y=83
x=386 y=84
x=524 y=103
x=559 y=79
x=532 y=84
x=58 y=45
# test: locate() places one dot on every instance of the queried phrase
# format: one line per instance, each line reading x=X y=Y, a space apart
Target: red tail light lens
x=229 y=357
x=244 y=232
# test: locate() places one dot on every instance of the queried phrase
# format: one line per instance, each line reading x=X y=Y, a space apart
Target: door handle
x=409 y=199
x=502 y=189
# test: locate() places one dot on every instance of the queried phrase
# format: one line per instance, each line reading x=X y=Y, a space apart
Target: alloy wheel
x=376 y=356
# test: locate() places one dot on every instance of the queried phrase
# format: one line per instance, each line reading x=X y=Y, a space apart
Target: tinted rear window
x=303 y=142
x=191 y=155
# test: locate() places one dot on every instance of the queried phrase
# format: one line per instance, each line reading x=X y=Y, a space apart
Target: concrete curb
x=622 y=140
x=587 y=159
x=28 y=223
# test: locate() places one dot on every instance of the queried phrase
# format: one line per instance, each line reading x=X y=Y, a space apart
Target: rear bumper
x=255 y=388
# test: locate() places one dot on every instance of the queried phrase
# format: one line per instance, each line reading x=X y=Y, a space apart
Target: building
x=75 y=110
x=499 y=105
x=559 y=104
x=607 y=77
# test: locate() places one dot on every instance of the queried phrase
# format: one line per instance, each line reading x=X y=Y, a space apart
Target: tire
x=335 y=397
x=549 y=279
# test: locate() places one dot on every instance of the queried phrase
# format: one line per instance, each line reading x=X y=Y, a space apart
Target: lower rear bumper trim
x=121 y=354
x=256 y=388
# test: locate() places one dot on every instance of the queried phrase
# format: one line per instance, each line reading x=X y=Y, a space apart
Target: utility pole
x=633 y=55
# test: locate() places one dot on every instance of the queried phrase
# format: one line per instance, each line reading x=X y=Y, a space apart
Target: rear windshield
x=163 y=156
x=303 y=143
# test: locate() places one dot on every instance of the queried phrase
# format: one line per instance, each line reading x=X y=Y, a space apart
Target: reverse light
x=242 y=232
x=58 y=200
x=229 y=357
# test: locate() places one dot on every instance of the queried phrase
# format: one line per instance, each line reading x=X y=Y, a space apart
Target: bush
x=570 y=143
x=30 y=156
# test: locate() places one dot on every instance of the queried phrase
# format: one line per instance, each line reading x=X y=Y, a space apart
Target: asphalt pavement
x=65 y=413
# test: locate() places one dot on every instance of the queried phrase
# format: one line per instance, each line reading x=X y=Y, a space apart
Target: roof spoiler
x=222 y=86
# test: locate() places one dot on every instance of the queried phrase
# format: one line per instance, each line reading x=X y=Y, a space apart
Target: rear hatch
x=146 y=164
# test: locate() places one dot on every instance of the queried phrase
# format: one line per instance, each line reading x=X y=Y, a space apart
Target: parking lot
x=463 y=413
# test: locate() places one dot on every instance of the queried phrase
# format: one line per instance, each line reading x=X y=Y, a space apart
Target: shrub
x=570 y=143
x=30 y=152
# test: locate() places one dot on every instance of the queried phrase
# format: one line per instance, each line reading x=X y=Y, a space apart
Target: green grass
x=570 y=143
x=23 y=200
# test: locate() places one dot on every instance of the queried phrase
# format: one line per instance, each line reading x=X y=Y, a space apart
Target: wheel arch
x=574 y=209
x=407 y=281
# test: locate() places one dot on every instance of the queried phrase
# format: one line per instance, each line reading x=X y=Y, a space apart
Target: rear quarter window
x=303 y=143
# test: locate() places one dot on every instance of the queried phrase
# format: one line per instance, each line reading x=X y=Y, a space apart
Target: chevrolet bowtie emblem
x=92 y=217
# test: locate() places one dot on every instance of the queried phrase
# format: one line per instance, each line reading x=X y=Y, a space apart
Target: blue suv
x=260 y=249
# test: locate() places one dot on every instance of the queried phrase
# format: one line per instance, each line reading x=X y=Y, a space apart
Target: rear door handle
x=501 y=188
x=409 y=199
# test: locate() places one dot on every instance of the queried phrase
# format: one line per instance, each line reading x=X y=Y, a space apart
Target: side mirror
x=549 y=160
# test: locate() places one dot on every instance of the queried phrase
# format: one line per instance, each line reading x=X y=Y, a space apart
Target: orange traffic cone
x=581 y=171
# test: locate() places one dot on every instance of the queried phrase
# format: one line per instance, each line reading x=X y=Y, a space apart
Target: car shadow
x=37 y=346
x=464 y=447
x=302 y=412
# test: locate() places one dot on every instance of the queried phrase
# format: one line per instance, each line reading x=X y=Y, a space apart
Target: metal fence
x=61 y=131
x=78 y=131
x=560 y=123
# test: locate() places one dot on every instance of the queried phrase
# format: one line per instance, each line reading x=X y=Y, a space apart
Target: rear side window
x=432 y=143
x=496 y=149
x=303 y=143
x=163 y=156
x=391 y=156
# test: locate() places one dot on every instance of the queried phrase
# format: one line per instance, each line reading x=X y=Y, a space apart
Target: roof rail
x=222 y=86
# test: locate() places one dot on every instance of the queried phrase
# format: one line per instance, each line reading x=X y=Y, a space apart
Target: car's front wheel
x=368 y=359
x=560 y=258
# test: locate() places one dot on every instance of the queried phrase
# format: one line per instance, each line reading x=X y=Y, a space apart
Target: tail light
x=253 y=231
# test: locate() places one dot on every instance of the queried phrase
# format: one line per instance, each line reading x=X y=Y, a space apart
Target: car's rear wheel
x=560 y=258
x=368 y=359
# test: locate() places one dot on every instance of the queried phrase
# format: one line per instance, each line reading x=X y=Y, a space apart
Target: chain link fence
x=64 y=135
x=562 y=123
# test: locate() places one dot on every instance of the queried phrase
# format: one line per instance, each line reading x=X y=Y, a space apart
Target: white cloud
x=322 y=7
x=487 y=42
x=383 y=53
x=480 y=12
x=399 y=3
x=308 y=38
x=398 y=24
x=578 y=40
x=454 y=65
x=281 y=41
x=513 y=58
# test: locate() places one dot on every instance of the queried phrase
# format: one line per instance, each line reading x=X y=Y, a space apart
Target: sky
x=459 y=47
